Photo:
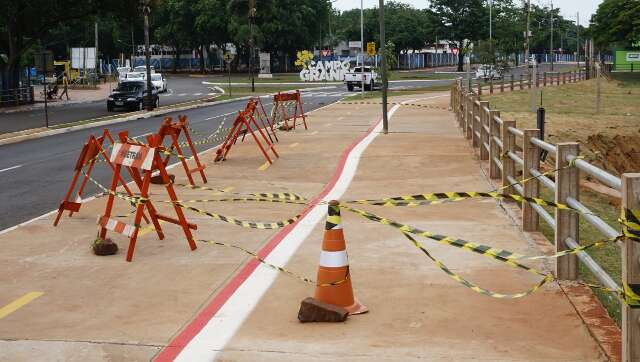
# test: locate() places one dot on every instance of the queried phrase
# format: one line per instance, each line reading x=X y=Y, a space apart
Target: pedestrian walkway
x=218 y=303
x=76 y=96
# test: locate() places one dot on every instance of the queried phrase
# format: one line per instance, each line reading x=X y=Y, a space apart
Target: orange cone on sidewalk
x=334 y=281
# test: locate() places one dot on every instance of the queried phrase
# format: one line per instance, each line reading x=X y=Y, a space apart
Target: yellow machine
x=65 y=66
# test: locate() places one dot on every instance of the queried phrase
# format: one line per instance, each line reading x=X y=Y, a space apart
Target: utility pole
x=383 y=64
x=252 y=16
x=526 y=36
x=146 y=10
x=551 y=47
x=578 y=39
x=362 y=47
x=96 y=44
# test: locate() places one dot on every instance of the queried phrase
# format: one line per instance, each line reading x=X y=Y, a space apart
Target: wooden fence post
x=508 y=165
x=475 y=129
x=630 y=272
x=558 y=78
x=511 y=82
x=544 y=79
x=494 y=150
x=564 y=78
x=484 y=134
x=521 y=82
x=479 y=88
x=537 y=80
x=469 y=116
x=491 y=86
x=567 y=185
x=502 y=85
x=530 y=81
x=531 y=158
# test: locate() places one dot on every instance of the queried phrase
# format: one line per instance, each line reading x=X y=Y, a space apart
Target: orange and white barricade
x=243 y=124
x=143 y=160
x=288 y=107
x=173 y=130
x=92 y=150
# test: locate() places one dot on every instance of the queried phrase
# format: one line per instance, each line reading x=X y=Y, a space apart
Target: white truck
x=356 y=77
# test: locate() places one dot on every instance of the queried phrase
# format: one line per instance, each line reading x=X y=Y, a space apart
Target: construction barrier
x=243 y=124
x=174 y=130
x=288 y=107
x=89 y=155
x=141 y=159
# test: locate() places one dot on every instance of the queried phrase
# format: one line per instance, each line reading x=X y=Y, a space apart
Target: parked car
x=159 y=81
x=135 y=76
x=356 y=77
x=143 y=69
x=130 y=95
x=531 y=62
x=122 y=73
x=486 y=72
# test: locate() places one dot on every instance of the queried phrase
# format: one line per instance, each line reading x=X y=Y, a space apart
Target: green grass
x=418 y=75
x=629 y=80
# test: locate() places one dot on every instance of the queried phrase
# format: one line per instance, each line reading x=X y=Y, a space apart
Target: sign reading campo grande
x=327 y=70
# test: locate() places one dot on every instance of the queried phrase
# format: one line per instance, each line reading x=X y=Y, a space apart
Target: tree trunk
x=460 y=61
x=176 y=59
x=201 y=55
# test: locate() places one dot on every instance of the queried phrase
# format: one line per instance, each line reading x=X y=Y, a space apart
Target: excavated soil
x=617 y=154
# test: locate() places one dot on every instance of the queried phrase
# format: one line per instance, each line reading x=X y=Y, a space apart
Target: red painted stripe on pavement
x=173 y=349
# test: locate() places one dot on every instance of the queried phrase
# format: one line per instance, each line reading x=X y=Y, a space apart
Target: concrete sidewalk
x=102 y=308
x=76 y=96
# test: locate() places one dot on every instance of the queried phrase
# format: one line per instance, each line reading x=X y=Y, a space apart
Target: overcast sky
x=568 y=8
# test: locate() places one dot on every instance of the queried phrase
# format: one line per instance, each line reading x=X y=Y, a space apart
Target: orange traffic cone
x=334 y=281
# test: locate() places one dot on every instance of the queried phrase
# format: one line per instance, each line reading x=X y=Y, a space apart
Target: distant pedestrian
x=65 y=84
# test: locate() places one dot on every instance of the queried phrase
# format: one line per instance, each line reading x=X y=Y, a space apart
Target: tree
x=24 y=24
x=616 y=23
x=463 y=21
x=175 y=24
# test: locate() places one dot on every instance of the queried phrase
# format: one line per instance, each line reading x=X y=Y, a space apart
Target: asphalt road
x=181 y=89
x=35 y=174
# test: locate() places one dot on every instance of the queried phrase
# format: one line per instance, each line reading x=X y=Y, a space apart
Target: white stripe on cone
x=334 y=259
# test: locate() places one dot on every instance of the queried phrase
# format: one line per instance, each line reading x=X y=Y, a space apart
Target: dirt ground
x=611 y=138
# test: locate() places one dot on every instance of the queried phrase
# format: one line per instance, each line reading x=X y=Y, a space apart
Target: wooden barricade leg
x=199 y=166
x=269 y=144
x=269 y=121
x=299 y=103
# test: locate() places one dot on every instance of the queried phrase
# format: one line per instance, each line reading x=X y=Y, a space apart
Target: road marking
x=313 y=133
x=19 y=303
x=220 y=319
x=142 y=135
x=222 y=115
x=197 y=94
x=264 y=166
x=294 y=145
x=182 y=94
x=10 y=168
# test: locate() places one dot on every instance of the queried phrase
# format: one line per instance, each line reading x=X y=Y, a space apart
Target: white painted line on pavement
x=219 y=330
x=10 y=168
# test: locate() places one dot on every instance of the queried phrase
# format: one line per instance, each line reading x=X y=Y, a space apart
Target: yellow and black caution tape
x=132 y=199
x=279 y=268
x=275 y=195
x=488 y=251
x=236 y=199
x=395 y=103
x=547 y=277
x=243 y=223
x=630 y=220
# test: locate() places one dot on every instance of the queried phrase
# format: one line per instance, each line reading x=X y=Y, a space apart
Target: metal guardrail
x=16 y=97
x=496 y=139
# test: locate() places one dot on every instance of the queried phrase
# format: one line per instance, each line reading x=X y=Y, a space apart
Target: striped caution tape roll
x=547 y=277
x=304 y=279
x=243 y=223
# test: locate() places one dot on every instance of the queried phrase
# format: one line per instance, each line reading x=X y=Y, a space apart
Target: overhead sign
x=355 y=44
x=228 y=57
x=371 y=48
x=455 y=51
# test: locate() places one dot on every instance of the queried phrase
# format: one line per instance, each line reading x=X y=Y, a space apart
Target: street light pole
x=252 y=16
x=526 y=51
x=362 y=47
x=578 y=39
x=551 y=47
x=146 y=10
x=383 y=64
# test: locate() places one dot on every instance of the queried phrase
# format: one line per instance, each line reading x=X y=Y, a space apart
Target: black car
x=130 y=95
